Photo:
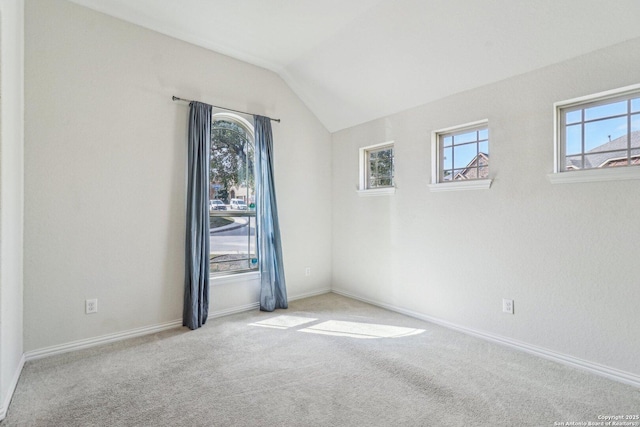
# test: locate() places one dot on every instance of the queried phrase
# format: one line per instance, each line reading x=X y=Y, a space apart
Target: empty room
x=319 y=213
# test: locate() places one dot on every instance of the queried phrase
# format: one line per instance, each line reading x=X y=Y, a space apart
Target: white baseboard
x=132 y=333
x=104 y=339
x=256 y=305
x=594 y=368
x=310 y=294
x=233 y=310
x=12 y=388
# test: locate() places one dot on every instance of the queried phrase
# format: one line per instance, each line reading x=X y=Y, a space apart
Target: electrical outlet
x=91 y=306
x=507 y=305
x=307 y=271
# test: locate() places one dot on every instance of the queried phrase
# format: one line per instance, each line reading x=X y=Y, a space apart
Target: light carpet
x=326 y=361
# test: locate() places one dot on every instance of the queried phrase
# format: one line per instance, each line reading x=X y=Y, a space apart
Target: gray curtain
x=273 y=291
x=196 y=283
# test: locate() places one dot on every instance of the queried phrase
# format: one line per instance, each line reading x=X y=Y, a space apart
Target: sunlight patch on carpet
x=360 y=330
x=283 y=322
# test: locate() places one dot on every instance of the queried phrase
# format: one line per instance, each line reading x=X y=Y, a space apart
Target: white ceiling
x=352 y=61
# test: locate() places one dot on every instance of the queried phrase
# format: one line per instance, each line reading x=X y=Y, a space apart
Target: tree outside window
x=232 y=196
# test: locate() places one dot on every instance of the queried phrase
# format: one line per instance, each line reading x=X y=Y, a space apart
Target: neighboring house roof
x=479 y=161
x=602 y=155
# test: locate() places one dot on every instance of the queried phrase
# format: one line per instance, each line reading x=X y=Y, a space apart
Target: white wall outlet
x=507 y=305
x=91 y=306
x=307 y=271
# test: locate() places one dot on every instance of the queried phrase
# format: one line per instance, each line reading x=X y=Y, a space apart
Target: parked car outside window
x=238 y=204
x=217 y=205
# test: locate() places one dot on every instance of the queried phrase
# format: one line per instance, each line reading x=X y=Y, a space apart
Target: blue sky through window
x=465 y=137
x=463 y=154
x=603 y=131
x=605 y=128
x=597 y=135
x=573 y=138
x=448 y=158
x=459 y=150
x=607 y=110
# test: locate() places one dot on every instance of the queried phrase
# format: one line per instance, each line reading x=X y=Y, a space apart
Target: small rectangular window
x=600 y=131
x=461 y=154
x=377 y=169
x=380 y=168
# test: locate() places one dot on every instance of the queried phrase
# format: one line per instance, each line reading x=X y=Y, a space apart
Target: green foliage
x=230 y=158
x=218 y=221
x=381 y=168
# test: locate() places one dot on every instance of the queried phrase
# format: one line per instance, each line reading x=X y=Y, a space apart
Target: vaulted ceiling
x=352 y=61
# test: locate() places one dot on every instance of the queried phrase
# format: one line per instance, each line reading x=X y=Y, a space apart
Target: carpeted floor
x=326 y=361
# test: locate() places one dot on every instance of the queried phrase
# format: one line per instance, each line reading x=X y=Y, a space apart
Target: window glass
x=231 y=196
x=605 y=134
x=610 y=159
x=380 y=165
x=574 y=116
x=464 y=154
x=635 y=131
x=483 y=147
x=573 y=139
x=447 y=158
x=606 y=110
x=465 y=137
x=600 y=133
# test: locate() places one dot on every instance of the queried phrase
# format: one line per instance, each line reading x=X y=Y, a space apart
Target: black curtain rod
x=175 y=98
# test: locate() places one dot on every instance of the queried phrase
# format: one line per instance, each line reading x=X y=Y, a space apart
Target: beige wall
x=105 y=173
x=11 y=195
x=565 y=253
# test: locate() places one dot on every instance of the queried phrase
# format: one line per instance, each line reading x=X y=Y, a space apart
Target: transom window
x=462 y=153
x=599 y=132
x=232 y=216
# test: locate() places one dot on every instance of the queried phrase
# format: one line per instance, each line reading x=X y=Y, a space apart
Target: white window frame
x=560 y=176
x=363 y=186
x=234 y=277
x=437 y=184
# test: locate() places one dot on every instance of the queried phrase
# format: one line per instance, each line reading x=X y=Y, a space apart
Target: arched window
x=232 y=195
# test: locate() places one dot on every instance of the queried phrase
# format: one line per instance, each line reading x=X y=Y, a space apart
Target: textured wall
x=11 y=194
x=565 y=253
x=105 y=163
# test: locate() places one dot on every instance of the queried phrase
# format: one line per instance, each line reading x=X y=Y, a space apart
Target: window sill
x=476 y=184
x=234 y=278
x=594 y=175
x=385 y=191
